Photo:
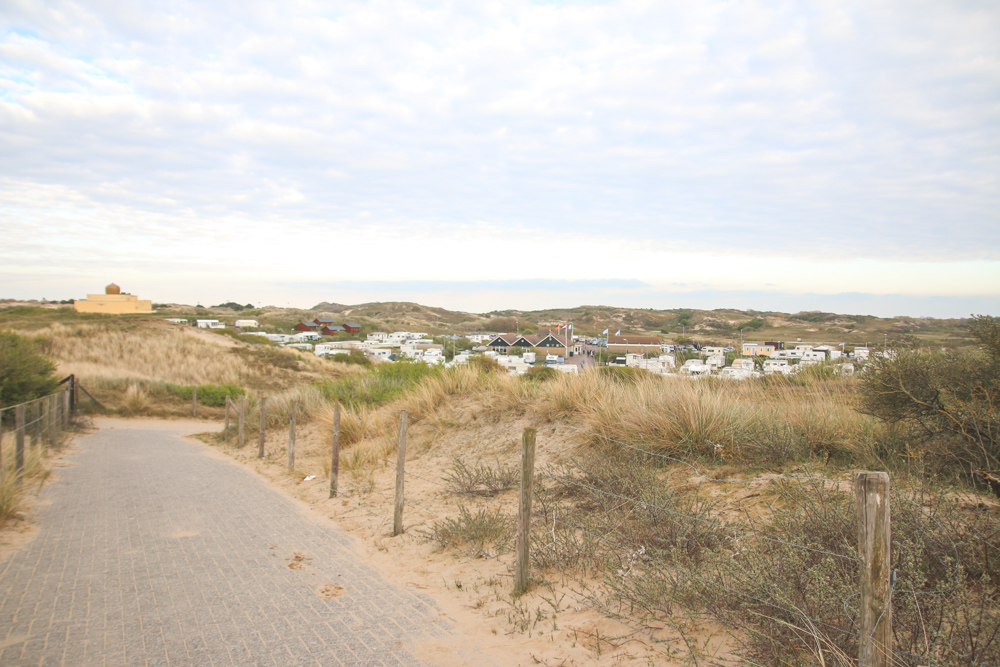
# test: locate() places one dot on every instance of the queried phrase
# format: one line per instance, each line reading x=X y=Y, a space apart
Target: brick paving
x=151 y=552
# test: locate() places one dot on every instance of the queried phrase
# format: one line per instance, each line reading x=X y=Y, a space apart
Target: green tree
x=26 y=372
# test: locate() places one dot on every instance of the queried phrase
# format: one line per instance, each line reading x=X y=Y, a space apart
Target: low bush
x=481 y=479
x=383 y=384
x=356 y=357
x=487 y=532
x=541 y=374
x=213 y=395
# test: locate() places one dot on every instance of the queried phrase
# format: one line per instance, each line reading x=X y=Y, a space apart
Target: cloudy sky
x=772 y=155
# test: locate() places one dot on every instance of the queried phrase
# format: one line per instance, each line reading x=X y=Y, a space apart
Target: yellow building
x=113 y=302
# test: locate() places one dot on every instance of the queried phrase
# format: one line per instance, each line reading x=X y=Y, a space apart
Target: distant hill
x=721 y=325
x=704 y=326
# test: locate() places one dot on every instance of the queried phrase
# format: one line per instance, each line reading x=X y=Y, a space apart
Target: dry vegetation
x=653 y=495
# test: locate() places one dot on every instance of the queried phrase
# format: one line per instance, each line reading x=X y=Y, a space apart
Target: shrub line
x=694 y=518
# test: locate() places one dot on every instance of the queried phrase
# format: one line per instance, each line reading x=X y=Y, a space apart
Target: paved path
x=151 y=552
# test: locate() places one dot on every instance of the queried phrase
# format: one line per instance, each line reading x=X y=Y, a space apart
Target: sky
x=838 y=156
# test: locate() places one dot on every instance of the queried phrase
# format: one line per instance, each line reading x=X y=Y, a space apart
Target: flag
x=619 y=333
x=604 y=333
x=841 y=345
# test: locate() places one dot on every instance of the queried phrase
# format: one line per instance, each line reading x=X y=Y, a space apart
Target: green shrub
x=26 y=372
x=385 y=383
x=541 y=373
x=951 y=399
x=356 y=357
x=213 y=395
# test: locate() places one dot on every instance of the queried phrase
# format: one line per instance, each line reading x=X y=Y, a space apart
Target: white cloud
x=860 y=136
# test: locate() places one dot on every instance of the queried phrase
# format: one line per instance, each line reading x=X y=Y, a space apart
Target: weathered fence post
x=72 y=392
x=243 y=421
x=19 y=446
x=397 y=519
x=335 y=456
x=65 y=409
x=871 y=490
x=291 y=437
x=36 y=427
x=262 y=418
x=50 y=424
x=225 y=429
x=194 y=401
x=523 y=556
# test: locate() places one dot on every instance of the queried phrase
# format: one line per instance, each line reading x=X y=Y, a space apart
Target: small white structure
x=744 y=363
x=713 y=351
x=326 y=350
x=379 y=353
x=304 y=337
x=210 y=324
x=529 y=357
x=716 y=361
x=772 y=366
x=378 y=337
x=695 y=367
x=278 y=338
x=571 y=369
x=844 y=369
x=787 y=354
x=177 y=320
x=861 y=353
x=246 y=324
x=299 y=346
x=736 y=373
x=813 y=356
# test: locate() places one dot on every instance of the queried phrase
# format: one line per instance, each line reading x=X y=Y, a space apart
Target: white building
x=713 y=351
x=772 y=366
x=246 y=324
x=328 y=349
x=304 y=337
x=695 y=367
x=716 y=361
x=210 y=324
x=177 y=320
x=861 y=353
x=299 y=346
x=735 y=373
x=378 y=337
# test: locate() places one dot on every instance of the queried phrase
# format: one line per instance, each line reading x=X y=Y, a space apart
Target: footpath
x=150 y=551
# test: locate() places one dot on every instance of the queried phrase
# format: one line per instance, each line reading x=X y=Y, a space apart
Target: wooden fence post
x=19 y=446
x=36 y=427
x=523 y=555
x=243 y=421
x=291 y=438
x=225 y=429
x=871 y=490
x=194 y=401
x=262 y=418
x=397 y=519
x=72 y=392
x=50 y=433
x=335 y=456
x=65 y=409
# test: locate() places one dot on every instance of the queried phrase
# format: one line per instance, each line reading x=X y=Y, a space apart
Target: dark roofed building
x=351 y=327
x=332 y=330
x=321 y=321
x=306 y=326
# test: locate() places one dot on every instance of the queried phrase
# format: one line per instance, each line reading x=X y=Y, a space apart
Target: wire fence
x=868 y=633
x=32 y=424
